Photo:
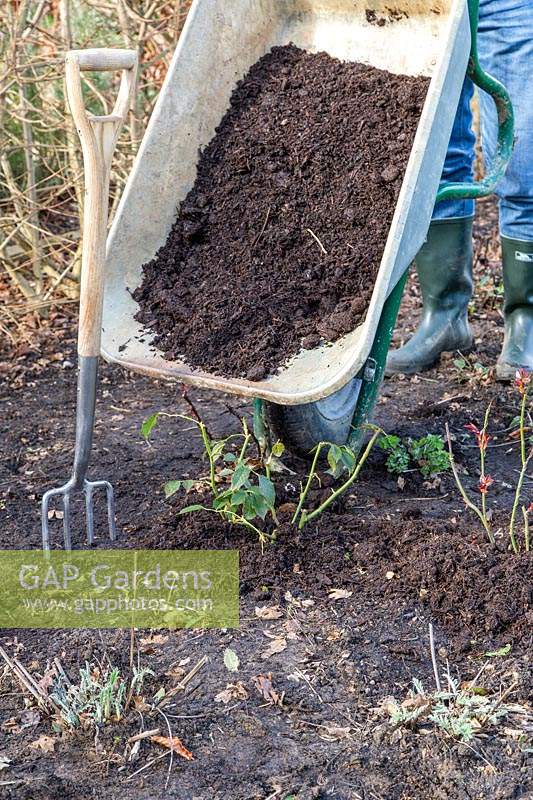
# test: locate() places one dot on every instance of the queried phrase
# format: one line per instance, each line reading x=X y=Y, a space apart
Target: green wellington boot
x=518 y=308
x=444 y=266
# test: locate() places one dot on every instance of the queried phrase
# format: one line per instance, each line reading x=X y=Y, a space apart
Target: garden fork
x=98 y=137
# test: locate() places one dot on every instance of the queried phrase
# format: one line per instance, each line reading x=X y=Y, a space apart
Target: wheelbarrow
x=327 y=393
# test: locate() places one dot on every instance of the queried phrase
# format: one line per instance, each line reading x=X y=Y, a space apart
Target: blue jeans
x=505 y=45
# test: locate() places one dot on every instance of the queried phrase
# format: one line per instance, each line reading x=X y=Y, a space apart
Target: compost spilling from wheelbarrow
x=277 y=245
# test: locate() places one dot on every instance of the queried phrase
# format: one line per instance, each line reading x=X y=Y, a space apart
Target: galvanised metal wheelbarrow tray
x=221 y=40
x=324 y=394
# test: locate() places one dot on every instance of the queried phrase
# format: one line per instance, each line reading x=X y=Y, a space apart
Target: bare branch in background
x=41 y=178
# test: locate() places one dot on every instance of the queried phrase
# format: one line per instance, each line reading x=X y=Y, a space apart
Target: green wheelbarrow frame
x=370 y=386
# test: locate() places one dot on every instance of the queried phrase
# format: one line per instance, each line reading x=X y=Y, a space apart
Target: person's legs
x=444 y=263
x=506 y=51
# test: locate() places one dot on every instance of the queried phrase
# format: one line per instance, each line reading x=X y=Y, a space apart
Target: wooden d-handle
x=98 y=136
x=101 y=59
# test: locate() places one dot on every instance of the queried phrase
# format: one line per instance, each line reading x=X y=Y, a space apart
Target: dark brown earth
x=329 y=740
x=278 y=243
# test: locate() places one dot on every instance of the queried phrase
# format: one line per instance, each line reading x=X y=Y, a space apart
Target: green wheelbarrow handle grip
x=467 y=191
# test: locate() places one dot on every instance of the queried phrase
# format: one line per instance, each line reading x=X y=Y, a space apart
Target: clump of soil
x=277 y=245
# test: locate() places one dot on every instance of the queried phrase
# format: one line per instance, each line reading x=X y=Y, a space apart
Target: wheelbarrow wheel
x=341 y=417
x=302 y=427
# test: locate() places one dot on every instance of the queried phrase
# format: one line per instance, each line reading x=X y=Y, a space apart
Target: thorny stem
x=526 y=528
x=482 y=461
x=207 y=445
x=464 y=495
x=514 y=543
x=312 y=473
x=305 y=518
x=522 y=429
x=525 y=462
x=246 y=441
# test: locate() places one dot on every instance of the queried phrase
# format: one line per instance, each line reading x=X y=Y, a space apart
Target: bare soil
x=329 y=738
x=277 y=245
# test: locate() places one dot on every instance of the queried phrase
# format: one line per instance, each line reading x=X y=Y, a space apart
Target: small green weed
x=398 y=459
x=468 y=370
x=100 y=696
x=427 y=454
x=461 y=713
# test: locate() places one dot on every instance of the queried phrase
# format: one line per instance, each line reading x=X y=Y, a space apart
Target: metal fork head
x=66 y=492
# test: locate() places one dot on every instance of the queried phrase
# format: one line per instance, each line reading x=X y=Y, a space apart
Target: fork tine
x=89 y=509
x=44 y=520
x=66 y=521
x=45 y=507
x=90 y=486
x=111 y=513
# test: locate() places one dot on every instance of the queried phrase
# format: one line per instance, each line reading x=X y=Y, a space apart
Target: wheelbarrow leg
x=378 y=357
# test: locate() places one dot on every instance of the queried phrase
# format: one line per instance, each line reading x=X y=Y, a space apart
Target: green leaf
x=191 y=509
x=223 y=500
x=503 y=651
x=334 y=456
x=148 y=426
x=267 y=490
x=250 y=507
x=335 y=461
x=257 y=502
x=389 y=442
x=348 y=458
x=217 y=449
x=240 y=476
x=171 y=487
x=238 y=497
x=230 y=457
x=459 y=363
x=231 y=660
x=278 y=449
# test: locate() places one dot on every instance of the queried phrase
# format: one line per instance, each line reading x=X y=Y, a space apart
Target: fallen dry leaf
x=275 y=646
x=268 y=612
x=263 y=684
x=339 y=594
x=148 y=644
x=44 y=743
x=174 y=744
x=292 y=628
x=298 y=603
x=141 y=704
x=337 y=732
x=287 y=508
x=47 y=680
x=233 y=691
